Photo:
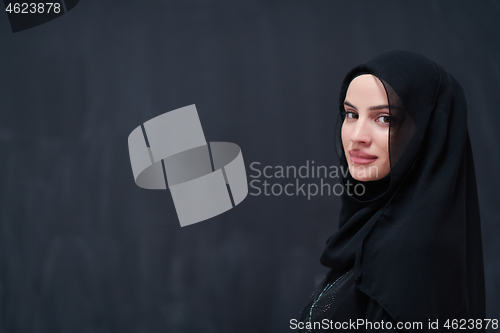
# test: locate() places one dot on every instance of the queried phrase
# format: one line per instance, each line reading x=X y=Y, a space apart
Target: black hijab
x=415 y=239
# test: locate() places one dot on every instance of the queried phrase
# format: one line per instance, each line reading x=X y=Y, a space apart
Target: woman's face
x=365 y=131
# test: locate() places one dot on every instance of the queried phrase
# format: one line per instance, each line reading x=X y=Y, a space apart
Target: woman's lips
x=360 y=157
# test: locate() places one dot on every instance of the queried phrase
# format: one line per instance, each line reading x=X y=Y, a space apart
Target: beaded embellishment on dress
x=325 y=299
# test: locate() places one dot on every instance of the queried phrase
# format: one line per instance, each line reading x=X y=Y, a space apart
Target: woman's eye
x=351 y=115
x=385 y=119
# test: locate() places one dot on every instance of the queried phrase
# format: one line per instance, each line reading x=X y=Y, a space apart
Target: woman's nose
x=361 y=133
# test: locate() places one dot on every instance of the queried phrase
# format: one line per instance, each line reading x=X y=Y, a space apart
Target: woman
x=408 y=250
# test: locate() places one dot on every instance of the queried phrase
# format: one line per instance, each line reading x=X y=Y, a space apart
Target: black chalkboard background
x=83 y=249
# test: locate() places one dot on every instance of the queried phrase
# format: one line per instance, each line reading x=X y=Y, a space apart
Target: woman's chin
x=365 y=179
x=365 y=173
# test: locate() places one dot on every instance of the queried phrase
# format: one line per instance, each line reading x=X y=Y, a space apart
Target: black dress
x=337 y=304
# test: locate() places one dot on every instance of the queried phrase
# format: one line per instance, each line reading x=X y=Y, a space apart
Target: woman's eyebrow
x=376 y=107
x=346 y=103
